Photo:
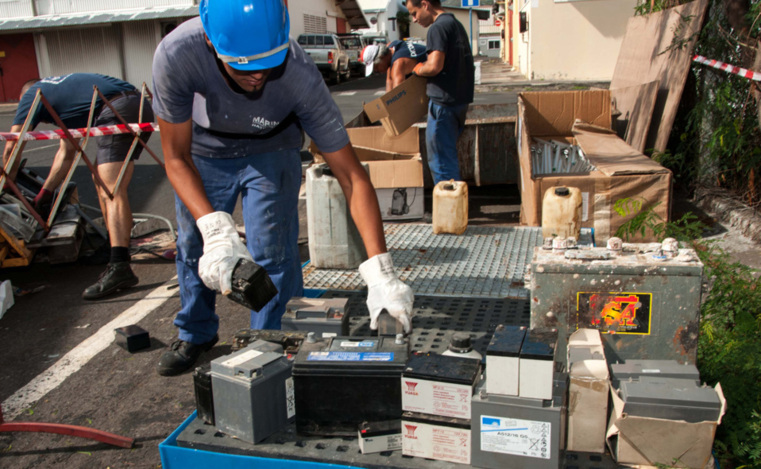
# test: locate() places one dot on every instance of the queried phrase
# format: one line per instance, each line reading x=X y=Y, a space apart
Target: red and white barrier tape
x=80 y=133
x=743 y=72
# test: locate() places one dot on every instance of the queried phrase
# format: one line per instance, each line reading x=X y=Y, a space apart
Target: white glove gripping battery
x=386 y=291
x=222 y=249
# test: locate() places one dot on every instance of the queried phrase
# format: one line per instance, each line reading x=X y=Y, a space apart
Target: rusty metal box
x=645 y=304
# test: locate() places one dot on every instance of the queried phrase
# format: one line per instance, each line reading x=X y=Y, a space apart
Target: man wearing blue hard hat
x=231 y=94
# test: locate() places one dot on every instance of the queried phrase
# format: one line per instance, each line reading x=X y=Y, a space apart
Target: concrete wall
x=570 y=40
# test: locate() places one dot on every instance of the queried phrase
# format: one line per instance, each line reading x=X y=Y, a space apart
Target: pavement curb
x=723 y=206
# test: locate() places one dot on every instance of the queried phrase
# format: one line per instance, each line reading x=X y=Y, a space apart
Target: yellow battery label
x=615 y=312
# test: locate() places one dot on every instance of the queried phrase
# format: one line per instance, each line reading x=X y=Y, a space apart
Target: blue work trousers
x=268 y=184
x=445 y=124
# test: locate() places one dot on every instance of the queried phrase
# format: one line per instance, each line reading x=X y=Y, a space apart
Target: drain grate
x=485 y=262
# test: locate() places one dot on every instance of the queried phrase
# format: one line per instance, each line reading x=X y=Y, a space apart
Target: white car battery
x=537 y=364
x=439 y=384
x=436 y=437
x=503 y=356
x=377 y=437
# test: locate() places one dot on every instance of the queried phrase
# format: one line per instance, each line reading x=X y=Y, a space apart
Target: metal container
x=645 y=303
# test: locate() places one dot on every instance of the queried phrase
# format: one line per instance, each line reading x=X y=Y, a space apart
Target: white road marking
x=380 y=93
x=51 y=378
x=347 y=93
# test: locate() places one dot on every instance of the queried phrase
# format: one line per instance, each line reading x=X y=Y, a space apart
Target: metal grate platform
x=487 y=262
x=435 y=319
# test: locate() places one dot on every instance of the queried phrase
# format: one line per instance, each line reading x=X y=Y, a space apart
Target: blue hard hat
x=247 y=34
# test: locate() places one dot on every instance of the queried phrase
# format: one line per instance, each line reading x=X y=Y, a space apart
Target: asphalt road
x=58 y=359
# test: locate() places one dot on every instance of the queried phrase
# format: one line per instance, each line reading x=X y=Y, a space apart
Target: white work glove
x=222 y=249
x=386 y=291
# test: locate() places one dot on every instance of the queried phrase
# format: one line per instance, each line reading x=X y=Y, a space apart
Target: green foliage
x=729 y=348
x=687 y=228
x=729 y=352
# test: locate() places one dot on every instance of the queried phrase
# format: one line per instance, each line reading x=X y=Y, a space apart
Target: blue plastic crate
x=176 y=457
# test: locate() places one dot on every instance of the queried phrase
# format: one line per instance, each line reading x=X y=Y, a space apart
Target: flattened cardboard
x=401 y=107
x=612 y=156
x=587 y=395
x=651 y=441
x=647 y=55
x=636 y=105
x=374 y=137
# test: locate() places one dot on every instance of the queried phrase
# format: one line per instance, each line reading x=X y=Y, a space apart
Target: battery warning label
x=351 y=356
x=615 y=312
x=529 y=438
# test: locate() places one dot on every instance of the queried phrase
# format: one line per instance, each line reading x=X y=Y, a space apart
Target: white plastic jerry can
x=561 y=212
x=450 y=207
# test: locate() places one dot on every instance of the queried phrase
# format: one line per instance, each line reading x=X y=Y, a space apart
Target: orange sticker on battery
x=615 y=312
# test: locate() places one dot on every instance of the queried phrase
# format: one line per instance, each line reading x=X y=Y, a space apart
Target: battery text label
x=529 y=438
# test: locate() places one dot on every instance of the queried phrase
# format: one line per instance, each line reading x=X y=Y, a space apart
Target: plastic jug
x=334 y=241
x=561 y=212
x=450 y=207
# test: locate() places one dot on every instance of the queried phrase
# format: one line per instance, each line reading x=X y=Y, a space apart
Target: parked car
x=354 y=45
x=328 y=54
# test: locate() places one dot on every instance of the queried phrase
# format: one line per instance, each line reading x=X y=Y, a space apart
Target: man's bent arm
x=360 y=195
x=9 y=146
x=432 y=66
x=180 y=169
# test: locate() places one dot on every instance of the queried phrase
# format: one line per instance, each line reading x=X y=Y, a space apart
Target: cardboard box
x=624 y=180
x=396 y=170
x=587 y=391
x=401 y=107
x=395 y=167
x=652 y=441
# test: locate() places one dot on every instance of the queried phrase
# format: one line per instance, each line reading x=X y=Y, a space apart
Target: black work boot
x=118 y=275
x=181 y=356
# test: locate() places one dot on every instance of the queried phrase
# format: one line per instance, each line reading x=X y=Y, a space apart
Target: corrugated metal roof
x=34 y=23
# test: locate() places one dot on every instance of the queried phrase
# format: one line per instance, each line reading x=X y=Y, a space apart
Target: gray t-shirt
x=187 y=83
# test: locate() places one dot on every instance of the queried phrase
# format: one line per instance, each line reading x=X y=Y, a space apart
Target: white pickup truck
x=328 y=54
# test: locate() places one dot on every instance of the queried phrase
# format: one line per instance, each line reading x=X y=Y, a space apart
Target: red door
x=18 y=64
x=340 y=25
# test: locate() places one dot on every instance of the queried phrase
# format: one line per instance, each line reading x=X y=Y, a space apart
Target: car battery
x=635 y=369
x=645 y=304
x=341 y=382
x=253 y=392
x=377 y=437
x=203 y=393
x=328 y=317
x=439 y=384
x=519 y=432
x=503 y=354
x=537 y=364
x=670 y=399
x=436 y=437
x=289 y=341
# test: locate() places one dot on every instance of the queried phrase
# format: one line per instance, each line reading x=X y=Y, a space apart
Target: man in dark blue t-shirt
x=450 y=72
x=71 y=97
x=397 y=60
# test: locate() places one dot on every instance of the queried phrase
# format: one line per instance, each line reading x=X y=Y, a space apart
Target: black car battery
x=340 y=382
x=328 y=317
x=204 y=393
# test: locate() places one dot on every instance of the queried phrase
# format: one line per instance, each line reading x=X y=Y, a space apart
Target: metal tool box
x=645 y=304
